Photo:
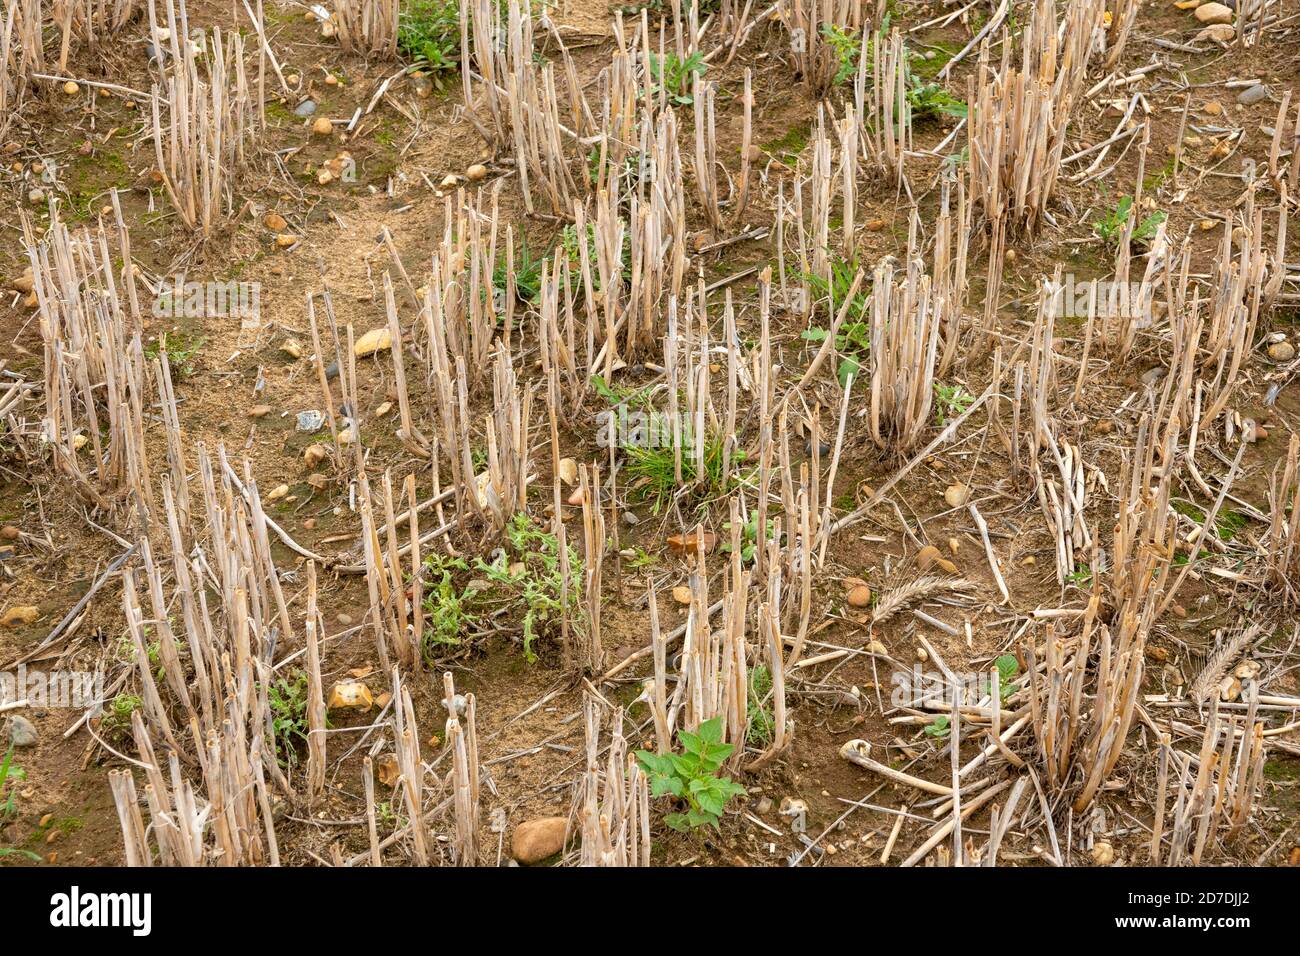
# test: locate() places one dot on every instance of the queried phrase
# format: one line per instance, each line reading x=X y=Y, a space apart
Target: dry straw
x=367 y=27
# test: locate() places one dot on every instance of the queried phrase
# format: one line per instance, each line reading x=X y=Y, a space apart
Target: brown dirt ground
x=398 y=163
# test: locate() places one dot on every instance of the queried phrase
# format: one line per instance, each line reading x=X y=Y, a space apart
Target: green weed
x=428 y=31
x=287 y=698
x=691 y=776
x=447 y=607
x=676 y=76
x=952 y=400
x=1110 y=228
x=527 y=572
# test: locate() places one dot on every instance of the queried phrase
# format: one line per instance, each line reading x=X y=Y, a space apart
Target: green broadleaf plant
x=691 y=776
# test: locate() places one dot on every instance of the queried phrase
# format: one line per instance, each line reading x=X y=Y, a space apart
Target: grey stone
x=22 y=732
x=1252 y=95
x=311 y=420
x=305 y=108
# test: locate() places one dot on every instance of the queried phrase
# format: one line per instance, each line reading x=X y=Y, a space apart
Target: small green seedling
x=952 y=400
x=853 y=341
x=9 y=775
x=1111 y=228
x=447 y=607
x=938 y=728
x=692 y=776
x=1008 y=669
x=287 y=699
x=675 y=76
x=428 y=31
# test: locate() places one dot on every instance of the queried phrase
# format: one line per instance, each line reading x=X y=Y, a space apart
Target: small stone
x=1252 y=95
x=343 y=618
x=307 y=108
x=1214 y=13
x=286 y=241
x=929 y=556
x=823 y=448
x=1104 y=427
x=922 y=654
x=1103 y=854
x=630 y=519
x=1213 y=108
x=277 y=493
x=292 y=79
x=259 y=411
x=71 y=88
x=20 y=614
x=331 y=80
x=1281 y=351
x=331 y=371
x=1152 y=376
x=1187 y=4
x=860 y=596
x=682 y=594
x=36 y=196
x=292 y=348
x=1218 y=33
x=387 y=770
x=575 y=497
x=450 y=181
x=875 y=225
x=1248 y=670
x=352 y=694
x=317 y=482
x=476 y=173
x=22 y=732
x=704 y=541
x=537 y=840
x=1230 y=688
x=25 y=282
x=568 y=470
x=9 y=533
x=373 y=341
x=322 y=126
x=311 y=420
x=275 y=222
x=956 y=494
x=383 y=409
x=309 y=523
x=875 y=647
